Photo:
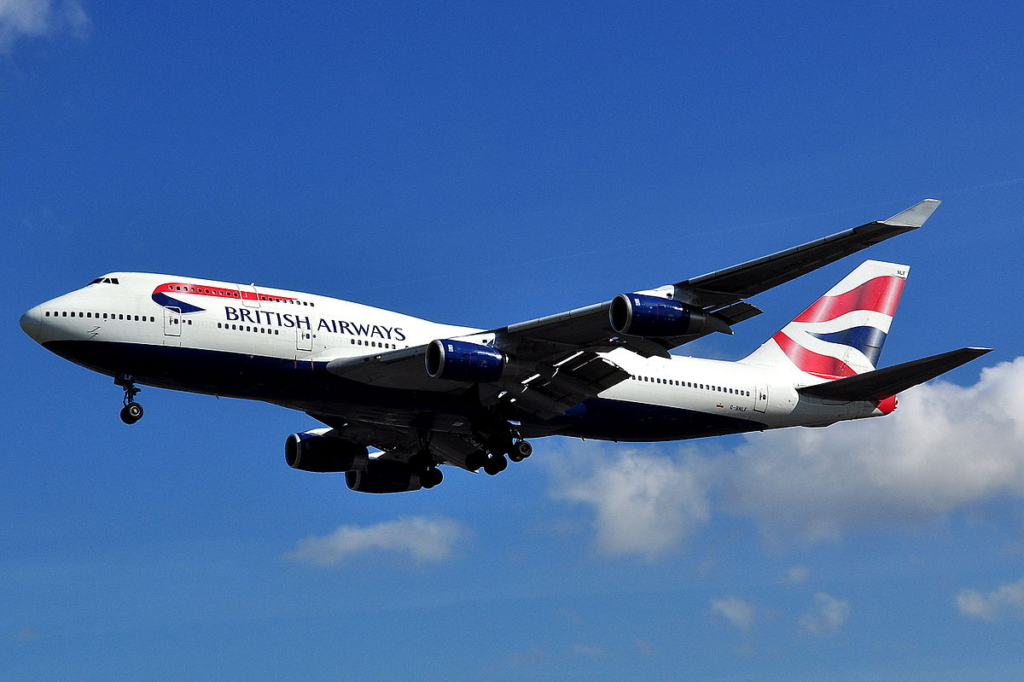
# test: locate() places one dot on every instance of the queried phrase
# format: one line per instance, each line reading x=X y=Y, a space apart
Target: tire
x=134 y=411
x=495 y=465
x=131 y=413
x=475 y=460
x=434 y=477
x=523 y=449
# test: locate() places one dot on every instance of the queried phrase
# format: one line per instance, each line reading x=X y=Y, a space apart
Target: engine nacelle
x=319 y=453
x=383 y=476
x=463 y=361
x=643 y=315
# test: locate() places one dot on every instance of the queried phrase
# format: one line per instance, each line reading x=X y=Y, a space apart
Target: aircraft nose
x=31 y=322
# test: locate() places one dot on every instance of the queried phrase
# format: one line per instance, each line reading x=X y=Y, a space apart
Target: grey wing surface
x=559 y=360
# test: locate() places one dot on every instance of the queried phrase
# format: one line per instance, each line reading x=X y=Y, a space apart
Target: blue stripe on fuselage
x=307 y=386
x=168 y=302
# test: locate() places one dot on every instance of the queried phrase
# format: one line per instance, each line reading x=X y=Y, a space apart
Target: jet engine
x=643 y=315
x=383 y=476
x=320 y=453
x=463 y=361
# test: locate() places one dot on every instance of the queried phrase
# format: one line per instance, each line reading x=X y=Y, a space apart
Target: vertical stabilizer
x=842 y=333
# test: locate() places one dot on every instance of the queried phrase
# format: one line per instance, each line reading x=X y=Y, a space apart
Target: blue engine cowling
x=313 y=451
x=642 y=315
x=463 y=361
x=383 y=476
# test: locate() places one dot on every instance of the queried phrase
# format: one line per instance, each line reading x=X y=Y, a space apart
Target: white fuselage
x=272 y=344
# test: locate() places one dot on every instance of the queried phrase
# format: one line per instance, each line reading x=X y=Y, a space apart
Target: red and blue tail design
x=843 y=332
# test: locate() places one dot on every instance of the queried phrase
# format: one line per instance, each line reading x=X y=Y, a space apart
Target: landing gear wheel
x=431 y=477
x=475 y=460
x=131 y=413
x=495 y=464
x=421 y=461
x=520 y=451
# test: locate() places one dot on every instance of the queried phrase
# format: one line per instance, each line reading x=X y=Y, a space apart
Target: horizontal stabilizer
x=882 y=383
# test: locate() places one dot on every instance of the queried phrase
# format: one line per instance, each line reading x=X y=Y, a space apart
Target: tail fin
x=842 y=333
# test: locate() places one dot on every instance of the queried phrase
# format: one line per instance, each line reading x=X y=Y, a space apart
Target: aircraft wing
x=721 y=293
x=558 y=360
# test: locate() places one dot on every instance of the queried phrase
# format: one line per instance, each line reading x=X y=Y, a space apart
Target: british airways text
x=304 y=322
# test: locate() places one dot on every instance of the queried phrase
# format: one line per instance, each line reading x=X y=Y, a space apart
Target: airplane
x=423 y=394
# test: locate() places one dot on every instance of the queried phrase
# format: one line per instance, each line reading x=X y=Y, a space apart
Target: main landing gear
x=423 y=463
x=132 y=411
x=491 y=458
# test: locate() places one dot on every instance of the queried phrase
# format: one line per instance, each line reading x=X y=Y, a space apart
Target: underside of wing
x=555 y=388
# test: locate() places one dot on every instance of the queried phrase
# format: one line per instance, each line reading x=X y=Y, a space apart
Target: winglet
x=916 y=215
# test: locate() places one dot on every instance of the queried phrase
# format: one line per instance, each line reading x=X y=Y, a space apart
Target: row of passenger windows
x=286 y=300
x=105 y=316
x=690 y=384
x=374 y=344
x=191 y=289
x=248 y=328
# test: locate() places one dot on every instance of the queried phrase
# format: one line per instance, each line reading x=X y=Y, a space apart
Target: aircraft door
x=250 y=297
x=303 y=339
x=760 y=398
x=172 y=321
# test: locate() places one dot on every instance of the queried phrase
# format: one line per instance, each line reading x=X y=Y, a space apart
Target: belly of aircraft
x=308 y=387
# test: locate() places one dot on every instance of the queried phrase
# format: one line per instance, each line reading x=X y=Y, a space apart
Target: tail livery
x=842 y=333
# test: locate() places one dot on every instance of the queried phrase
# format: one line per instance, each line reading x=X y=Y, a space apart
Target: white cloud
x=945 y=447
x=1005 y=600
x=826 y=617
x=797 y=574
x=425 y=539
x=644 y=504
x=39 y=18
x=738 y=612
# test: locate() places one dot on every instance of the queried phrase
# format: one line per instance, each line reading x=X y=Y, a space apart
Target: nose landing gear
x=132 y=411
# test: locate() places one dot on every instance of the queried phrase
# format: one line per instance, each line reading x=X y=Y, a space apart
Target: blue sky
x=482 y=164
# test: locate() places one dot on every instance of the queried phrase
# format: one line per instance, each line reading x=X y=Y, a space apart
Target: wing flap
x=883 y=383
x=556 y=388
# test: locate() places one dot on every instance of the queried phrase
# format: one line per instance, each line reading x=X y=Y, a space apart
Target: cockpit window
x=105 y=280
